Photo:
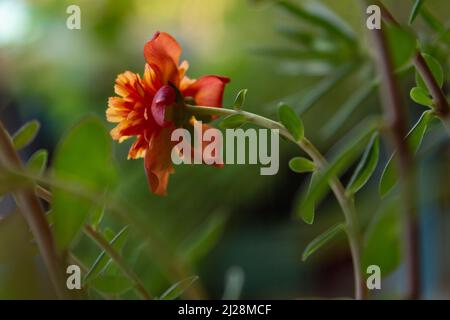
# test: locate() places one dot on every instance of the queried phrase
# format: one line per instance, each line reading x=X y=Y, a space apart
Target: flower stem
x=34 y=214
x=345 y=201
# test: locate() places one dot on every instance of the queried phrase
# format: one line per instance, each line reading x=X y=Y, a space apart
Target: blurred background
x=252 y=245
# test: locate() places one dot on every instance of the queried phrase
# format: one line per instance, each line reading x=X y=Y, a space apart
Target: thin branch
x=104 y=244
x=395 y=118
x=34 y=214
x=336 y=186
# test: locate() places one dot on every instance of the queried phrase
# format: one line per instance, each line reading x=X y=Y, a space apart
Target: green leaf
x=307 y=213
x=420 y=96
x=436 y=70
x=321 y=240
x=401 y=54
x=382 y=244
x=414 y=139
x=301 y=165
x=111 y=284
x=320 y=17
x=103 y=259
x=96 y=215
x=178 y=288
x=204 y=239
x=289 y=119
x=337 y=166
x=415 y=11
x=366 y=166
x=26 y=134
x=240 y=99
x=83 y=161
x=233 y=121
x=38 y=162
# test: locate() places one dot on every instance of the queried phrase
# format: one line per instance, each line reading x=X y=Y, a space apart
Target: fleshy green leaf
x=415 y=11
x=26 y=134
x=82 y=160
x=103 y=259
x=366 y=166
x=233 y=121
x=307 y=213
x=382 y=244
x=337 y=166
x=38 y=162
x=301 y=165
x=321 y=240
x=414 y=139
x=203 y=240
x=436 y=70
x=291 y=121
x=420 y=96
x=111 y=284
x=401 y=54
x=178 y=288
x=240 y=99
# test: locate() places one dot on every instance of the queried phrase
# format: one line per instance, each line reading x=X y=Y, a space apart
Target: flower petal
x=163 y=53
x=207 y=91
x=158 y=162
x=165 y=97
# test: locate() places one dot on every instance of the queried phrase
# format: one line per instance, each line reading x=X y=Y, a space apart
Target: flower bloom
x=151 y=107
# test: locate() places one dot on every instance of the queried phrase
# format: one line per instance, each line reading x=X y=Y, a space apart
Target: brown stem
x=395 y=118
x=34 y=214
x=442 y=107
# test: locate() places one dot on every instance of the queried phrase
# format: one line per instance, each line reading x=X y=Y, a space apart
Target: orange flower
x=142 y=102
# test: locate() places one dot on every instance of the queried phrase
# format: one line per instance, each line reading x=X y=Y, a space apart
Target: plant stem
x=336 y=186
x=34 y=214
x=394 y=113
x=104 y=244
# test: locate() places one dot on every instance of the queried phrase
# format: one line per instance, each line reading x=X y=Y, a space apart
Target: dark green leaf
x=111 y=284
x=26 y=134
x=38 y=162
x=301 y=165
x=240 y=99
x=103 y=259
x=415 y=11
x=420 y=96
x=233 y=121
x=291 y=121
x=178 y=289
x=436 y=70
x=414 y=139
x=83 y=159
x=401 y=54
x=307 y=213
x=322 y=239
x=204 y=239
x=366 y=166
x=382 y=245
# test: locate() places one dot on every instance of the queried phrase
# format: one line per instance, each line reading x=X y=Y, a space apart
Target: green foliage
x=366 y=166
x=26 y=134
x=83 y=159
x=38 y=162
x=382 y=239
x=291 y=121
x=111 y=284
x=436 y=70
x=401 y=54
x=420 y=96
x=322 y=239
x=240 y=99
x=414 y=138
x=178 y=288
x=415 y=10
x=301 y=165
x=233 y=121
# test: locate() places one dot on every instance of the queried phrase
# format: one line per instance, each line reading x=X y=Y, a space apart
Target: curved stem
x=34 y=214
x=345 y=201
